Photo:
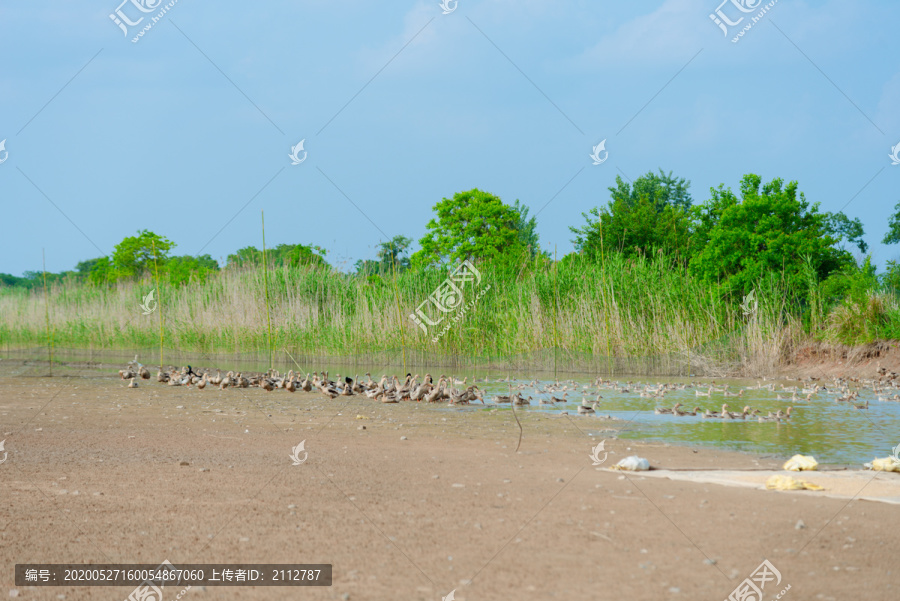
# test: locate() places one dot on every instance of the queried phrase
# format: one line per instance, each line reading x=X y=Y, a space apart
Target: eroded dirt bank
x=826 y=361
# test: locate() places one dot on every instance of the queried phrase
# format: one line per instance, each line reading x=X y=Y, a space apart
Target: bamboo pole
x=158 y=303
x=266 y=280
x=47 y=314
x=397 y=299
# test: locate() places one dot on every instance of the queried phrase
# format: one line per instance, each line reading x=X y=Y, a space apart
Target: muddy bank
x=817 y=360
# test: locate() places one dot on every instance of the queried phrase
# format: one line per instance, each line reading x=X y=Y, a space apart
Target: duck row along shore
x=391 y=389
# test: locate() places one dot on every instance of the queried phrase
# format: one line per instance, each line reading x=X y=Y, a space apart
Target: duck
x=740 y=393
x=707 y=393
x=132 y=383
x=708 y=414
x=203 y=381
x=562 y=400
x=863 y=406
x=743 y=414
x=587 y=410
x=676 y=410
x=518 y=400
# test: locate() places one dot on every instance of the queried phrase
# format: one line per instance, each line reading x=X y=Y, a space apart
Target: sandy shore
x=420 y=502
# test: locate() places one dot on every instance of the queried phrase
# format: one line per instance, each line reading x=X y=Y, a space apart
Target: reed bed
x=615 y=309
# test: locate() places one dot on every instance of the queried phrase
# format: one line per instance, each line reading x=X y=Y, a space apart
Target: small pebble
x=403 y=438
x=184 y=463
x=458 y=485
x=799 y=525
x=13 y=592
x=292 y=506
x=710 y=562
x=204 y=469
x=361 y=428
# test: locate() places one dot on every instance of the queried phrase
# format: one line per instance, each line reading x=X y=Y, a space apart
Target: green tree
x=284 y=254
x=472 y=225
x=843 y=228
x=739 y=241
x=136 y=254
x=893 y=234
x=102 y=271
x=652 y=213
x=527 y=229
x=390 y=257
x=183 y=269
x=84 y=268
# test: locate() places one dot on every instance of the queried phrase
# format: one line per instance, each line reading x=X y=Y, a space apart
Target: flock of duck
x=387 y=390
x=390 y=389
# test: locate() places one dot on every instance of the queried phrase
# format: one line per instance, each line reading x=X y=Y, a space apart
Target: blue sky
x=187 y=132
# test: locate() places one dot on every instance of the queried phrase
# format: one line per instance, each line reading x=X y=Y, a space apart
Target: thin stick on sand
x=512 y=405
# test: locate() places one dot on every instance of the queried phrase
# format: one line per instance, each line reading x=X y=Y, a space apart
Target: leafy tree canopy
x=136 y=254
x=772 y=229
x=842 y=227
x=181 y=270
x=652 y=213
x=283 y=254
x=390 y=257
x=893 y=234
x=473 y=225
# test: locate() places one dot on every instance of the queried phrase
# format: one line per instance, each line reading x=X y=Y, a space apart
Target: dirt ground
x=827 y=361
x=420 y=503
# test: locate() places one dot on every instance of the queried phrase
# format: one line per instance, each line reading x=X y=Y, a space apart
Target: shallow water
x=833 y=432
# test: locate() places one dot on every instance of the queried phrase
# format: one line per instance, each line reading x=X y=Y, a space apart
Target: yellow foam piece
x=886 y=464
x=799 y=463
x=780 y=482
